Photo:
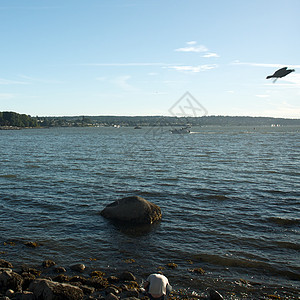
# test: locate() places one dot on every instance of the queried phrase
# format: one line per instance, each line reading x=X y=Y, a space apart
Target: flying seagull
x=281 y=73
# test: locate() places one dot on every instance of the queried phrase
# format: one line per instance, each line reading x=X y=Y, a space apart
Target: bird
x=281 y=73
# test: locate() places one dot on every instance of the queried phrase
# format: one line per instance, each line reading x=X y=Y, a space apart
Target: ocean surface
x=230 y=198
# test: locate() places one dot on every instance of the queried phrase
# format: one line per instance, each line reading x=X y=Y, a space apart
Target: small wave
x=234 y=262
x=288 y=245
x=217 y=197
x=283 y=221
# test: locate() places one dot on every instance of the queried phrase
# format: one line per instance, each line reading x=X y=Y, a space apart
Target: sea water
x=229 y=197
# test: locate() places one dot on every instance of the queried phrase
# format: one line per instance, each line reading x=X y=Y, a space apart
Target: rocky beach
x=49 y=281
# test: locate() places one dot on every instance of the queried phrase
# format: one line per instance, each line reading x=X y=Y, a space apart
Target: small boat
x=137 y=127
x=183 y=130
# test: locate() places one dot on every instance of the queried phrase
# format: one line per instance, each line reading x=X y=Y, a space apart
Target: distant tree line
x=8 y=118
x=76 y=121
x=22 y=120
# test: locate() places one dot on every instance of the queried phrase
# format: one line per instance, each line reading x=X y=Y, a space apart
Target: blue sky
x=138 y=57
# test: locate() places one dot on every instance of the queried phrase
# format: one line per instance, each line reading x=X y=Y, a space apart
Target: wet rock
x=127 y=276
x=9 y=293
x=31 y=244
x=26 y=269
x=111 y=296
x=215 y=295
x=112 y=289
x=27 y=279
x=60 y=270
x=87 y=290
x=78 y=279
x=5 y=264
x=129 y=294
x=113 y=279
x=97 y=282
x=26 y=295
x=50 y=290
x=198 y=271
x=132 y=210
x=97 y=274
x=10 y=280
x=48 y=263
x=172 y=265
x=78 y=267
x=61 y=278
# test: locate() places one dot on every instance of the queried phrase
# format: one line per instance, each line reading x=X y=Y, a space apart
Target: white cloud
x=193 y=47
x=208 y=55
x=192 y=43
x=196 y=48
x=194 y=69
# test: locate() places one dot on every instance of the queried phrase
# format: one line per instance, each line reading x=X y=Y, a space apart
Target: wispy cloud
x=192 y=46
x=122 y=82
x=6 y=96
x=208 y=55
x=8 y=82
x=284 y=110
x=40 y=80
x=194 y=69
x=131 y=64
x=254 y=64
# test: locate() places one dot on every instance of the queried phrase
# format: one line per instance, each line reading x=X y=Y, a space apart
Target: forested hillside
x=13 y=119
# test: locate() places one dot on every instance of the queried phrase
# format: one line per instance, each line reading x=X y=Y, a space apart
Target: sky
x=149 y=57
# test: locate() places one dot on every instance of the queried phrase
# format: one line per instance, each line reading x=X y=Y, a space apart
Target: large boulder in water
x=132 y=210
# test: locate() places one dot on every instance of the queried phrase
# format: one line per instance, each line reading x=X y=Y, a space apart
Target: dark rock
x=10 y=280
x=215 y=295
x=132 y=210
x=24 y=296
x=113 y=279
x=61 y=278
x=60 y=270
x=112 y=289
x=78 y=267
x=27 y=279
x=31 y=244
x=48 y=263
x=9 y=293
x=127 y=276
x=50 y=290
x=131 y=293
x=87 y=290
x=97 y=274
x=97 y=282
x=5 y=264
x=26 y=269
x=111 y=296
x=78 y=279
